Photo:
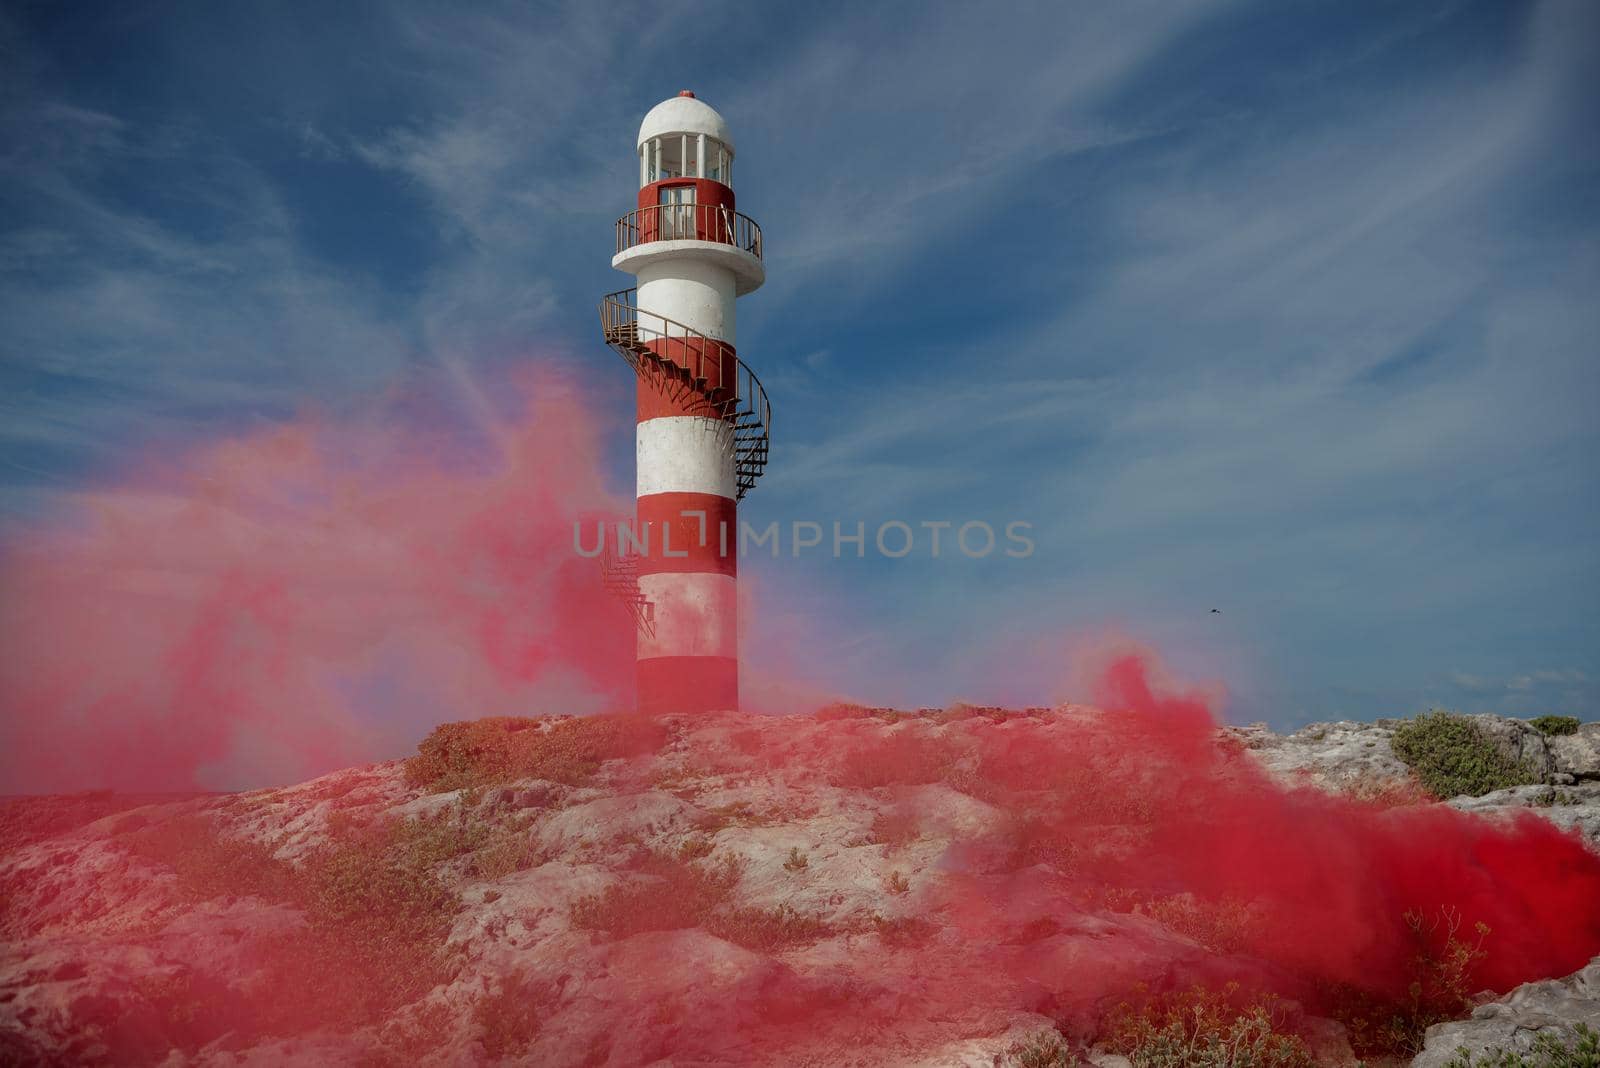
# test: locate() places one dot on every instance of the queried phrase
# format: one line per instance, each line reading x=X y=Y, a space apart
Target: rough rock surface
x=1345 y=756
x=1565 y=806
x=1357 y=758
x=1578 y=754
x=1514 y=1022
x=97 y=932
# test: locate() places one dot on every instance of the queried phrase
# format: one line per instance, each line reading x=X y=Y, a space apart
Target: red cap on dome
x=686 y=92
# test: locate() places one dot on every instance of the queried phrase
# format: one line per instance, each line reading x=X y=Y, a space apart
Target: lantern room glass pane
x=670 y=162
x=716 y=159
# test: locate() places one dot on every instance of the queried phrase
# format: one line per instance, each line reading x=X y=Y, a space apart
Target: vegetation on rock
x=767 y=930
x=1556 y=725
x=667 y=894
x=508 y=1019
x=1440 y=988
x=1200 y=1028
x=1453 y=757
x=208 y=864
x=377 y=912
x=483 y=752
x=1548 y=1051
x=1046 y=1049
x=677 y=893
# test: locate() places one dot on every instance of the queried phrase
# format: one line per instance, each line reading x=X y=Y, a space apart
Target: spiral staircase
x=704 y=376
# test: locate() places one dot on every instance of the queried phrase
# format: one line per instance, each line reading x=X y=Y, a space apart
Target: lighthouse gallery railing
x=689 y=222
x=652 y=343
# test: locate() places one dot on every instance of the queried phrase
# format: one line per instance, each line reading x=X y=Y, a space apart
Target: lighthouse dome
x=684 y=114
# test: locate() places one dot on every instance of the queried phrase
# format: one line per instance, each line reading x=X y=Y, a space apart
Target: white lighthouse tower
x=703 y=418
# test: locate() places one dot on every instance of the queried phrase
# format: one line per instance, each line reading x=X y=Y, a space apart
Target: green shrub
x=482 y=752
x=767 y=930
x=903 y=932
x=1200 y=1028
x=1452 y=756
x=407 y=1038
x=674 y=894
x=1440 y=988
x=510 y=849
x=374 y=904
x=376 y=918
x=1226 y=925
x=209 y=865
x=695 y=847
x=894 y=829
x=1548 y=1052
x=1045 y=1049
x=1556 y=725
x=371 y=884
x=508 y=1020
x=894 y=760
x=427 y=842
x=677 y=893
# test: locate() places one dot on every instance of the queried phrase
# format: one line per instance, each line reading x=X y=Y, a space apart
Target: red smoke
x=1334 y=877
x=307 y=597
x=1138 y=806
x=314 y=596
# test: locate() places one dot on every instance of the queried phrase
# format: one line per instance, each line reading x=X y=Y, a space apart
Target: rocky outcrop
x=839 y=869
x=1342 y=757
x=1576 y=806
x=1514 y=1023
x=1578 y=754
x=1357 y=758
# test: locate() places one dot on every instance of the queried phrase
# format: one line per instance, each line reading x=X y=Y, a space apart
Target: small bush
x=695 y=847
x=741 y=814
x=897 y=883
x=508 y=1019
x=1382 y=791
x=893 y=829
x=1031 y=839
x=508 y=850
x=1046 y=1049
x=376 y=917
x=1440 y=988
x=903 y=932
x=380 y=890
x=1556 y=725
x=674 y=895
x=477 y=753
x=428 y=842
x=209 y=865
x=899 y=759
x=408 y=1038
x=1548 y=1052
x=767 y=930
x=797 y=860
x=1224 y=926
x=1200 y=1028
x=1453 y=757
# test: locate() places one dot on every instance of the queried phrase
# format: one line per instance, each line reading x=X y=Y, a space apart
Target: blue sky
x=1280 y=308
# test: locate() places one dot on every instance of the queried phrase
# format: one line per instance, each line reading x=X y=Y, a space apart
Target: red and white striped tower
x=702 y=435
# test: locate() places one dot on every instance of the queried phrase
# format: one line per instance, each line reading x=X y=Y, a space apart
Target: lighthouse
x=702 y=435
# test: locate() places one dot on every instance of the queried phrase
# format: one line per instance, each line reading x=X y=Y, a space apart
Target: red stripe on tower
x=702 y=428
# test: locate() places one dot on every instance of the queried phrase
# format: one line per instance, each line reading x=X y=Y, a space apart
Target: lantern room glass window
x=685 y=156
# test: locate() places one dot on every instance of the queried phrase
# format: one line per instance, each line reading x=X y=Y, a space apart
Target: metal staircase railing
x=620 y=576
x=690 y=363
